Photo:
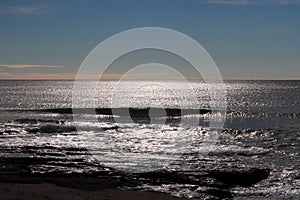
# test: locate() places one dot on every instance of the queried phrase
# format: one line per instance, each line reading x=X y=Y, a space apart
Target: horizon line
x=229 y=79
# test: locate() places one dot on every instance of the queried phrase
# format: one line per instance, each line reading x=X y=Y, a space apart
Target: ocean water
x=261 y=131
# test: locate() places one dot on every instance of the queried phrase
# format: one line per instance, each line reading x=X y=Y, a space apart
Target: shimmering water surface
x=261 y=130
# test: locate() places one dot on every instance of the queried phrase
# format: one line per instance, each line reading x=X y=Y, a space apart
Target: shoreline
x=40 y=191
x=82 y=188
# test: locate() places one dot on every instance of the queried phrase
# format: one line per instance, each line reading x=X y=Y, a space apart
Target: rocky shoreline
x=217 y=184
x=216 y=176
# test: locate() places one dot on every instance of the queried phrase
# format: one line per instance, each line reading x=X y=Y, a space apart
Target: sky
x=247 y=39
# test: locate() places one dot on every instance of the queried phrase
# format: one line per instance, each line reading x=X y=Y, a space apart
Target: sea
x=160 y=133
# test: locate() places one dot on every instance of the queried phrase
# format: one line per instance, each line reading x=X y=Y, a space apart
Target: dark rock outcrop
x=11 y=131
x=35 y=121
x=56 y=128
x=243 y=178
x=32 y=130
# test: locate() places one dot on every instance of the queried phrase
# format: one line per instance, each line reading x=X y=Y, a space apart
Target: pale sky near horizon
x=248 y=39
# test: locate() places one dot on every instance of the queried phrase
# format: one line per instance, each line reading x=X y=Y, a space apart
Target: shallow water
x=261 y=131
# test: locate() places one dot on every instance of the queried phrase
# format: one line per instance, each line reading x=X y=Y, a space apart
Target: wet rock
x=247 y=131
x=35 y=121
x=67 y=128
x=49 y=128
x=208 y=186
x=11 y=131
x=243 y=178
x=110 y=128
x=32 y=130
x=56 y=128
x=54 y=121
x=26 y=121
x=164 y=177
x=218 y=193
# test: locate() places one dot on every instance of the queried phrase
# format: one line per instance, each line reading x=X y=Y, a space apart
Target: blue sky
x=257 y=39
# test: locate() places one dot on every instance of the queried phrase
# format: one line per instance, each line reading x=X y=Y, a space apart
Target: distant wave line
x=134 y=112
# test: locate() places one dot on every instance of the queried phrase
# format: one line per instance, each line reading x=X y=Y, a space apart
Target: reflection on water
x=261 y=132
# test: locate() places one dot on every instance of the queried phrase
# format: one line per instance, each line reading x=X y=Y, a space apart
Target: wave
x=133 y=112
x=275 y=115
x=147 y=112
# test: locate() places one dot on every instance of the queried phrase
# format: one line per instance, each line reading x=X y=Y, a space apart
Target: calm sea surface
x=261 y=130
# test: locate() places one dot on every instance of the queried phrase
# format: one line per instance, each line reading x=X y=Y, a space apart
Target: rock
x=67 y=128
x=247 y=131
x=54 y=121
x=49 y=128
x=56 y=128
x=218 y=193
x=26 y=121
x=35 y=121
x=10 y=131
x=110 y=128
x=243 y=178
x=32 y=130
x=164 y=177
